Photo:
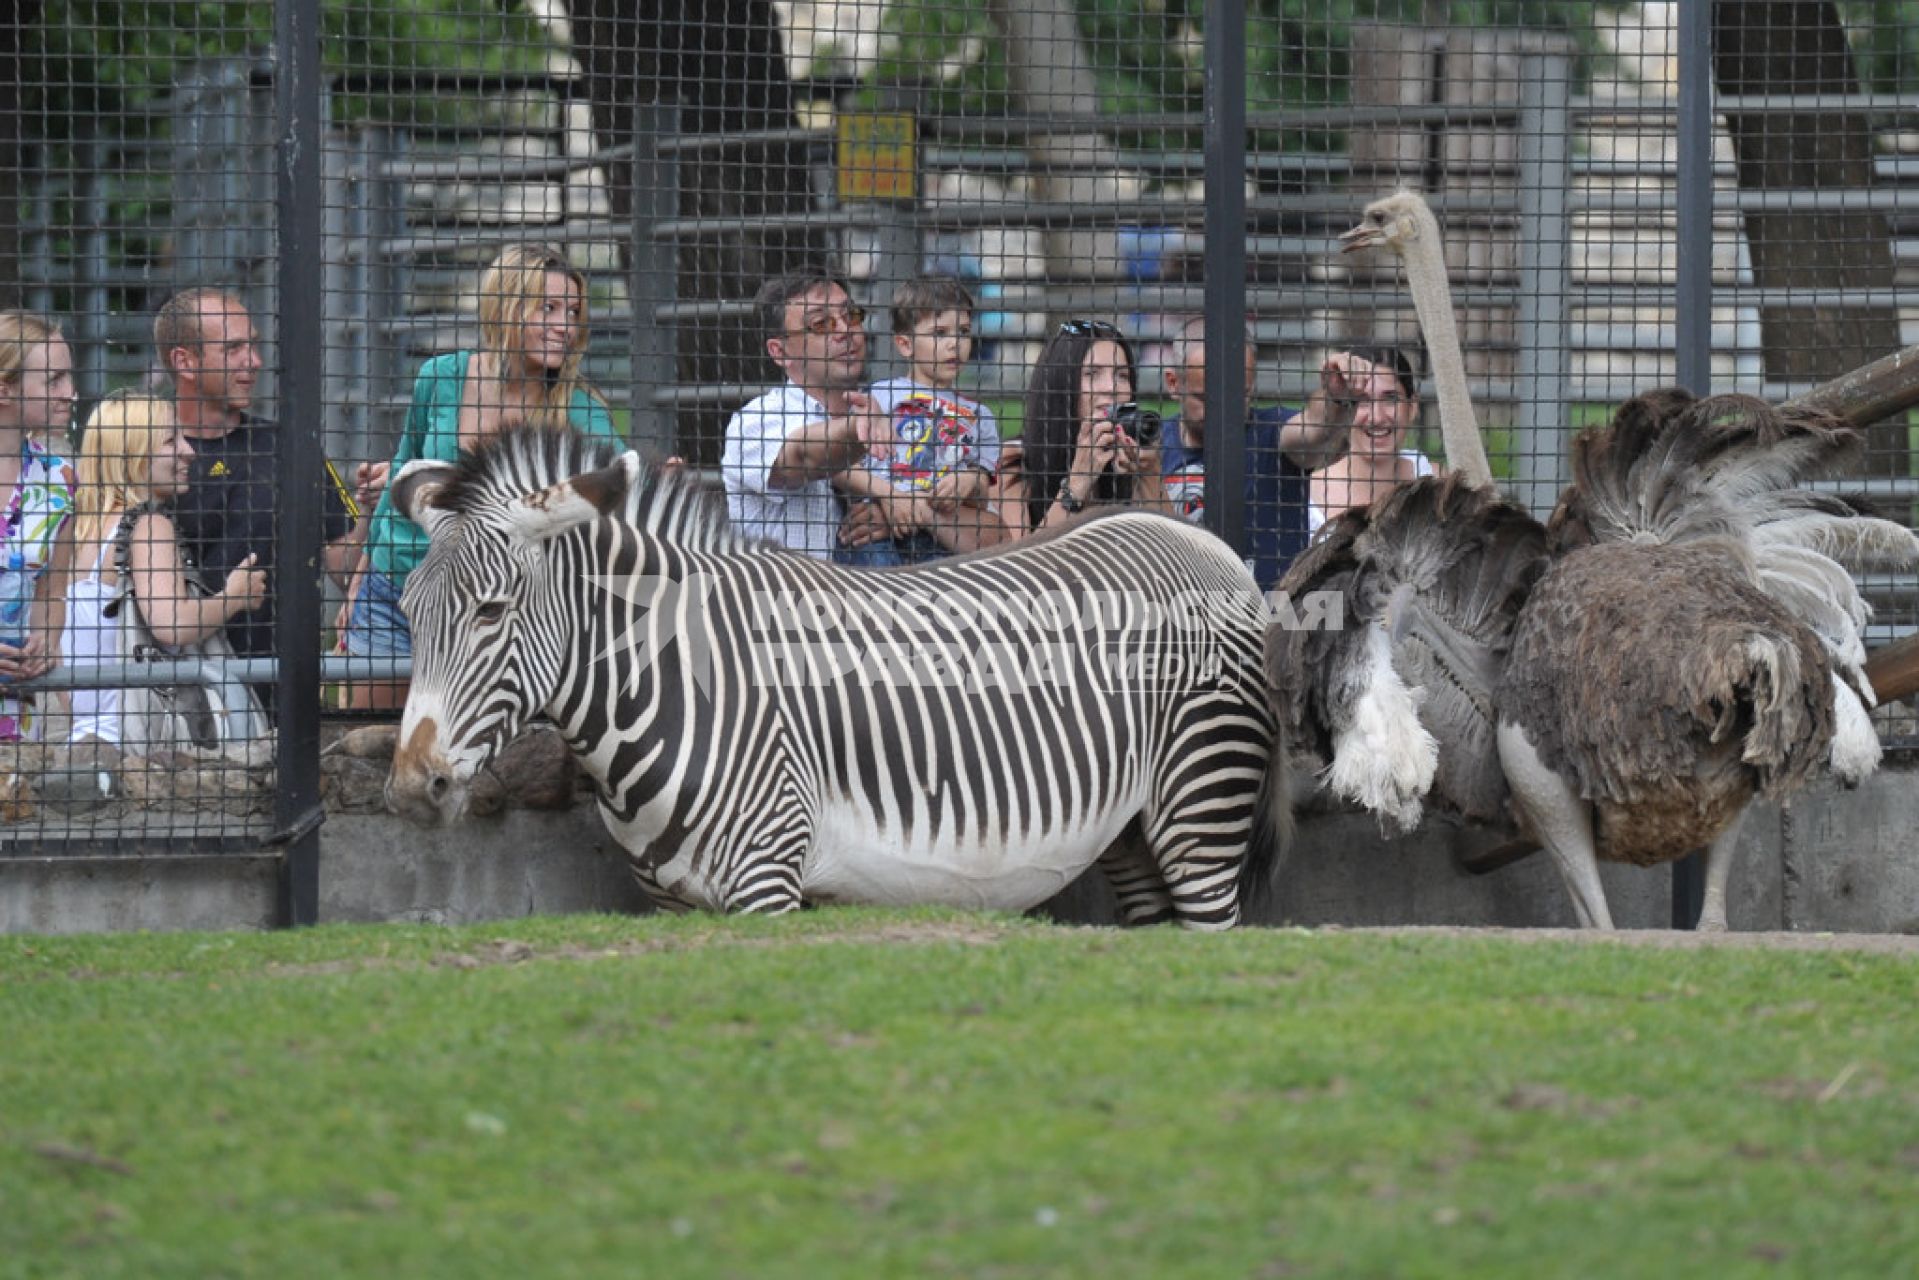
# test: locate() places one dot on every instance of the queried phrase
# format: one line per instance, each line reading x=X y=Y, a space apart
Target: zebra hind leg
x=1136 y=879
x=1200 y=840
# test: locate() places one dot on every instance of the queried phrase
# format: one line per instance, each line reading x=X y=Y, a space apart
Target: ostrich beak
x=1363 y=236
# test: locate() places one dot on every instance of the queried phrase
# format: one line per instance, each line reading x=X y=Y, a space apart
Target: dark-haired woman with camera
x=1084 y=442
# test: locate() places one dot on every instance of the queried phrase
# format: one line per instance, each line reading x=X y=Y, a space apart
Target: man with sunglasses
x=782 y=448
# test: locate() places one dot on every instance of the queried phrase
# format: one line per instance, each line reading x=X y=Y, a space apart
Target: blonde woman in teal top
x=533 y=334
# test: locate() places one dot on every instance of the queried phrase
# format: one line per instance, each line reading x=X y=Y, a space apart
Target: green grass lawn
x=863 y=1093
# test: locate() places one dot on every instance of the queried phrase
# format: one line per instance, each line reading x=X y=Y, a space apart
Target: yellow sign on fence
x=876 y=156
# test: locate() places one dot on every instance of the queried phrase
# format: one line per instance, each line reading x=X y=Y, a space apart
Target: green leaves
x=1147 y=54
x=93 y=56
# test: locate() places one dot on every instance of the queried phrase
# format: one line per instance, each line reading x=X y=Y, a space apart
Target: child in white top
x=133 y=455
x=931 y=482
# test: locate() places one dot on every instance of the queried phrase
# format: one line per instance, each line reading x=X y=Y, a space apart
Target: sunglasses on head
x=1089 y=328
x=821 y=323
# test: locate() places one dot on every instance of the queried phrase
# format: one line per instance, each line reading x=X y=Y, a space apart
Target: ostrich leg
x=1712 y=913
x=1560 y=820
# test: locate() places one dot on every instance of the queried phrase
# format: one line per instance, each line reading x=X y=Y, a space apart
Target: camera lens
x=1141 y=424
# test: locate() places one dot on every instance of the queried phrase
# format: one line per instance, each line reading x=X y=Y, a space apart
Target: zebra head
x=484 y=605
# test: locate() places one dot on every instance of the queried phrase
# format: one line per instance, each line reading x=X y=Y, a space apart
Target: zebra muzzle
x=422 y=787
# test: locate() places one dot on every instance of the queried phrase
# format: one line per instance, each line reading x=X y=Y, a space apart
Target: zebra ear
x=417 y=485
x=557 y=508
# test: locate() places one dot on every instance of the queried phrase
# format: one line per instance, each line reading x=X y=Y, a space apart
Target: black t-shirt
x=231 y=510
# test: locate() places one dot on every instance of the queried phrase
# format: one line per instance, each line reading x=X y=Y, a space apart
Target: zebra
x=748 y=765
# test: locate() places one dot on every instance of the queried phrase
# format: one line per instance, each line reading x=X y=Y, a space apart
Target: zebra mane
x=666 y=502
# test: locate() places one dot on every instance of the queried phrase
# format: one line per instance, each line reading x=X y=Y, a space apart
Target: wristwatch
x=1073 y=503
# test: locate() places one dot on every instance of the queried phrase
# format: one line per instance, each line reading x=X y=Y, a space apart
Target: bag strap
x=123 y=558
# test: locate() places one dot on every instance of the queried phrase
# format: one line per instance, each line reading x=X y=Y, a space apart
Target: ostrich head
x=1403 y=224
x=1398 y=222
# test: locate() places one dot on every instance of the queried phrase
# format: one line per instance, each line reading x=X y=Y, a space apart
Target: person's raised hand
x=369 y=481
x=1343 y=374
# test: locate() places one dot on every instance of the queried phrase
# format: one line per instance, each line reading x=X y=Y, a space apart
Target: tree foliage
x=1885 y=43
x=1147 y=53
x=92 y=57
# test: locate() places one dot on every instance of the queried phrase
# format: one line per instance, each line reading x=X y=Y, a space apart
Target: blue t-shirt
x=1277 y=493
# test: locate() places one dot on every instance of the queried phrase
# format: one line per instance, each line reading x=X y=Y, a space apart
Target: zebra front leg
x=662 y=898
x=767 y=885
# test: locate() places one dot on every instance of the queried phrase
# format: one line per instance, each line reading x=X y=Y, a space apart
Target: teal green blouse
x=395 y=545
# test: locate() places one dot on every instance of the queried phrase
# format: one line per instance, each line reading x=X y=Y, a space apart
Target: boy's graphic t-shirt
x=935 y=433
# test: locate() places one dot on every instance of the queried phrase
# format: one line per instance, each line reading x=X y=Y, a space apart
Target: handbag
x=218 y=717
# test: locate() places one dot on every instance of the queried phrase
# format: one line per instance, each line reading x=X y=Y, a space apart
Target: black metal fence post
x=297 y=812
x=1226 y=271
x=1544 y=306
x=1693 y=296
x=656 y=200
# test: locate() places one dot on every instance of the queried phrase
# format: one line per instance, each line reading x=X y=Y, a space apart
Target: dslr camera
x=1141 y=424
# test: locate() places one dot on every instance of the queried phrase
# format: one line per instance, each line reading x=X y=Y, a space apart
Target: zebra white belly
x=852 y=861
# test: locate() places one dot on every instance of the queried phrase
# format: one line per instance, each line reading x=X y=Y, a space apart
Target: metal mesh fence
x=995 y=222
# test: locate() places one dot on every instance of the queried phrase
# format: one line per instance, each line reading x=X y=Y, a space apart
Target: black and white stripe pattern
x=766 y=728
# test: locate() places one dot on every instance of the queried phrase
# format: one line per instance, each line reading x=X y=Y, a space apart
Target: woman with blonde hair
x=36 y=486
x=133 y=460
x=533 y=334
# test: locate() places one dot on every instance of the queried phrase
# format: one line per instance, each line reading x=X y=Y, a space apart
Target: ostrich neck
x=1433 y=301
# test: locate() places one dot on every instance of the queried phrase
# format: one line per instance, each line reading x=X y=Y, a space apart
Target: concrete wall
x=1833 y=860
x=520 y=863
x=120 y=895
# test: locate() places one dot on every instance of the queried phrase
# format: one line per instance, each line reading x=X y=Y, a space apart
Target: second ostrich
x=1681 y=637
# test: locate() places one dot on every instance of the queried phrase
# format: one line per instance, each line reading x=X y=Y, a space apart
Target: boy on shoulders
x=927 y=490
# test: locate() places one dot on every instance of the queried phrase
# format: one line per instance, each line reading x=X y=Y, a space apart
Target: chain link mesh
x=565 y=212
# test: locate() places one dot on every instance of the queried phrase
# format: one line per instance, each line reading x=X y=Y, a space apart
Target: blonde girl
x=133 y=458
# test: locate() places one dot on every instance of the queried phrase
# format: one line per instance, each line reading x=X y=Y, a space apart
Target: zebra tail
x=1272 y=820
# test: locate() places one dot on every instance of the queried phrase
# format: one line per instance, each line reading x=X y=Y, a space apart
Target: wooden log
x=1868 y=394
x=1887 y=386
x=1894 y=670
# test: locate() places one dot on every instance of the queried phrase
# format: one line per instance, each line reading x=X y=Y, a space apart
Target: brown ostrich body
x=1668 y=689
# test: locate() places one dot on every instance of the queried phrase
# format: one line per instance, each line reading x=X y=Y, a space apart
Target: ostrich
x=1681 y=637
